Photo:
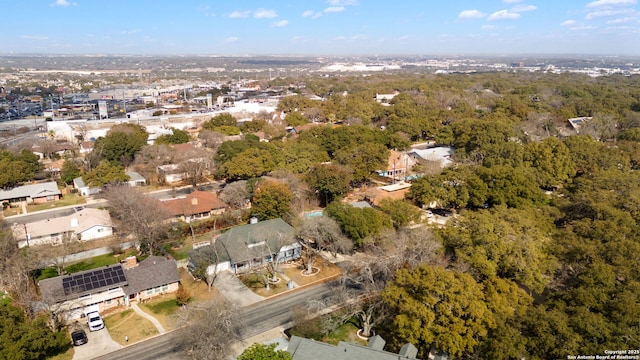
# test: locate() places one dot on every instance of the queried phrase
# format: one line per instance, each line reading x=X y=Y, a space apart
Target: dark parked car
x=79 y=337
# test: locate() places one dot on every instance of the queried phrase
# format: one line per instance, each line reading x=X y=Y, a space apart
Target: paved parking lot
x=100 y=343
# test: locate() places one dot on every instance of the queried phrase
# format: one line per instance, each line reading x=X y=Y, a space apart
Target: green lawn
x=93 y=263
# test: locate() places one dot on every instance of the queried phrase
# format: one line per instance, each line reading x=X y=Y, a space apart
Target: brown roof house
x=70 y=296
x=195 y=206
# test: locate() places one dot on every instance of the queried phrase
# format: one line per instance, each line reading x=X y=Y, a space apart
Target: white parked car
x=95 y=321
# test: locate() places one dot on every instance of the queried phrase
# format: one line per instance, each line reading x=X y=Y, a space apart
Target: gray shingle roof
x=246 y=242
x=151 y=272
x=31 y=190
x=52 y=288
x=305 y=349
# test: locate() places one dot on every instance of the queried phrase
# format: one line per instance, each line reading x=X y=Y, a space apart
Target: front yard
x=67 y=200
x=129 y=324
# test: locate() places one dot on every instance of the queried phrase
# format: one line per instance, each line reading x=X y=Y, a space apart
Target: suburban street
x=165 y=194
x=259 y=318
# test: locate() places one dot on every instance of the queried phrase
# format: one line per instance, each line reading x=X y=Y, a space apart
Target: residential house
x=32 y=193
x=110 y=286
x=154 y=276
x=195 y=206
x=441 y=154
x=135 y=179
x=399 y=165
x=170 y=173
x=306 y=349
x=385 y=99
x=397 y=191
x=84 y=189
x=84 y=225
x=247 y=247
x=54 y=149
x=86 y=147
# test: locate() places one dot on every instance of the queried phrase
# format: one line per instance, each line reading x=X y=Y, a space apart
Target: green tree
x=402 y=213
x=551 y=160
x=15 y=169
x=251 y=163
x=121 y=143
x=509 y=243
x=225 y=119
x=438 y=307
x=364 y=159
x=177 y=136
x=358 y=224
x=295 y=119
x=330 y=181
x=271 y=200
x=105 y=173
x=22 y=338
x=70 y=170
x=264 y=352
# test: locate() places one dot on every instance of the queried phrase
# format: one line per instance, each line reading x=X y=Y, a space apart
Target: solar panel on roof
x=93 y=279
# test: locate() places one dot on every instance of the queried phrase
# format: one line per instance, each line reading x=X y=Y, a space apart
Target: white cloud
x=240 y=14
x=471 y=14
x=488 y=27
x=342 y=2
x=333 y=9
x=503 y=15
x=34 y=37
x=569 y=23
x=602 y=3
x=265 y=14
x=64 y=3
x=359 y=37
x=624 y=20
x=523 y=8
x=231 y=39
x=511 y=1
x=605 y=13
x=281 y=23
x=339 y=38
x=129 y=32
x=312 y=14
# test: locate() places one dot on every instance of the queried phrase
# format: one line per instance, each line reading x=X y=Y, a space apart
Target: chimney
x=194 y=201
x=74 y=222
x=130 y=262
x=409 y=350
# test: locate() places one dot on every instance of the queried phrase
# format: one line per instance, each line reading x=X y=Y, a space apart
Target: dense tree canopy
x=121 y=143
x=24 y=339
x=271 y=199
x=17 y=168
x=177 y=136
x=264 y=352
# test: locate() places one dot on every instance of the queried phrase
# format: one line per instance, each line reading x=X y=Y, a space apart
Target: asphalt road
x=259 y=318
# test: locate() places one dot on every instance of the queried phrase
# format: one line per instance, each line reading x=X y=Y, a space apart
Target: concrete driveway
x=100 y=343
x=234 y=290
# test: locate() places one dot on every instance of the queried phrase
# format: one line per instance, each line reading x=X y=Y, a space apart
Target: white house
x=84 y=225
x=84 y=189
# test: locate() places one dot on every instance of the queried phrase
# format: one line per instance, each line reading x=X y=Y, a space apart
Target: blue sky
x=320 y=27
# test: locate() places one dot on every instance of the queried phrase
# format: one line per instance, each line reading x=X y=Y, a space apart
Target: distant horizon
x=321 y=27
x=466 y=55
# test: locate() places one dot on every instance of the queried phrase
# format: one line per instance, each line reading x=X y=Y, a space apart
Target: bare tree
x=321 y=233
x=196 y=164
x=236 y=194
x=211 y=139
x=208 y=330
x=369 y=274
x=16 y=267
x=269 y=251
x=58 y=254
x=143 y=216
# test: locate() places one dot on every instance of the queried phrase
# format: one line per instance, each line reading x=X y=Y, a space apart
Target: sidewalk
x=153 y=320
